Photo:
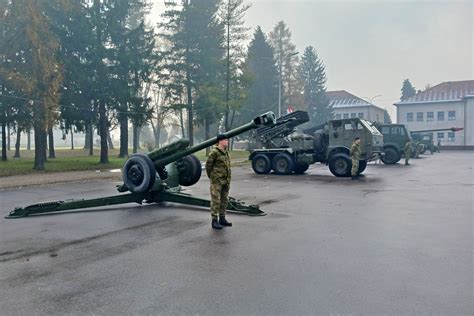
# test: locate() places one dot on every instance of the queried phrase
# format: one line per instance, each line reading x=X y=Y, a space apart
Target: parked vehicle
x=284 y=150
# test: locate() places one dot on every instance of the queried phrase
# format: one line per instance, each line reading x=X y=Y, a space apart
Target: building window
x=429 y=116
x=451 y=137
x=441 y=136
x=353 y=115
x=346 y=115
x=419 y=116
x=338 y=116
x=409 y=117
x=440 y=116
x=451 y=115
x=360 y=115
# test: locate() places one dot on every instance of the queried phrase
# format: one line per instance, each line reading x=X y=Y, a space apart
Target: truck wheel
x=390 y=156
x=189 y=171
x=282 y=163
x=340 y=165
x=362 y=165
x=300 y=168
x=261 y=164
x=139 y=173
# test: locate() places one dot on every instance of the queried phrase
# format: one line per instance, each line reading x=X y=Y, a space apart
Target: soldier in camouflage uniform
x=355 y=156
x=218 y=171
x=417 y=149
x=407 y=150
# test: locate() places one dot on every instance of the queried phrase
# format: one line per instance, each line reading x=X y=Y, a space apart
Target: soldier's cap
x=356 y=138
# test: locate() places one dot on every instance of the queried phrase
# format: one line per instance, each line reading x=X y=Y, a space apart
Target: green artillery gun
x=425 y=137
x=157 y=177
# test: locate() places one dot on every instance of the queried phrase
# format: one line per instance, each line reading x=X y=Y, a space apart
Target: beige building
x=448 y=104
x=347 y=105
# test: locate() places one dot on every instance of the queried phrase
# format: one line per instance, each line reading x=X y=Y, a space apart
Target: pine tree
x=287 y=60
x=261 y=76
x=312 y=74
x=407 y=90
x=232 y=13
x=194 y=57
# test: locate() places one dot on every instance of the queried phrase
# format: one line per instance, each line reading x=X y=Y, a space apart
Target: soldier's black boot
x=215 y=224
x=224 y=222
x=355 y=177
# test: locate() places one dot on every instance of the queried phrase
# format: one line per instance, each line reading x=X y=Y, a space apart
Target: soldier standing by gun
x=218 y=171
x=355 y=156
x=407 y=150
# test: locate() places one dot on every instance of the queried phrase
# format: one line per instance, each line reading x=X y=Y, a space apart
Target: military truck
x=395 y=136
x=285 y=150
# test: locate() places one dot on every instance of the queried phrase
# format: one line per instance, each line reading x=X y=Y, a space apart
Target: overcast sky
x=370 y=47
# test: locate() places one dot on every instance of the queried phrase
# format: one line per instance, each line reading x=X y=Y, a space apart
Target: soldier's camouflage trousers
x=219 y=198
x=355 y=167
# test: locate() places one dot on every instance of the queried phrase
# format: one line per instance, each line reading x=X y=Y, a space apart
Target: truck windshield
x=370 y=127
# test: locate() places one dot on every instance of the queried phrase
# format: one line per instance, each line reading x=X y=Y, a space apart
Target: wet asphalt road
x=399 y=241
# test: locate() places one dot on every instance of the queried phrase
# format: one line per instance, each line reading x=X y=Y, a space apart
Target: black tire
x=340 y=165
x=261 y=164
x=282 y=164
x=300 y=168
x=362 y=166
x=189 y=170
x=391 y=156
x=139 y=173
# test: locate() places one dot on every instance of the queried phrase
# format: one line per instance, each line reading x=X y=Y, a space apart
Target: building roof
x=446 y=91
x=344 y=99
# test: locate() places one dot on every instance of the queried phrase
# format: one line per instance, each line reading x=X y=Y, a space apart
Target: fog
x=370 y=47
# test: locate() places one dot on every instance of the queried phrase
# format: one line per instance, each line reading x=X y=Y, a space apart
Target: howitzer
x=158 y=177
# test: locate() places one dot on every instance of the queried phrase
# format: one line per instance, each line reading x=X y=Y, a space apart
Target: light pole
x=279 y=79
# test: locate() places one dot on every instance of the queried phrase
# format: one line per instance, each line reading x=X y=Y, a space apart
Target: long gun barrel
x=452 y=129
x=179 y=149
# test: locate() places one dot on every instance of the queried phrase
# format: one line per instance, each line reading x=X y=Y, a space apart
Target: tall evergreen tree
x=132 y=66
x=407 y=90
x=71 y=22
x=232 y=14
x=312 y=74
x=262 y=74
x=194 y=37
x=287 y=60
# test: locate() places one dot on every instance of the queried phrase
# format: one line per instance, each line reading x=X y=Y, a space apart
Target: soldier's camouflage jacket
x=355 y=151
x=218 y=166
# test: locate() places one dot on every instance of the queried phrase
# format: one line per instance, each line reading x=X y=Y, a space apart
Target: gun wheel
x=139 y=174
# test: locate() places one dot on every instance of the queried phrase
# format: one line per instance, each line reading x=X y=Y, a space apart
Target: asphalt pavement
x=399 y=242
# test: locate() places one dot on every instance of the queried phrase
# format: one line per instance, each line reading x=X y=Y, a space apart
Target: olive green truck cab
x=395 y=136
x=283 y=150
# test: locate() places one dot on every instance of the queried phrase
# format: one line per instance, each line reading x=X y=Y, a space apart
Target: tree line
x=100 y=64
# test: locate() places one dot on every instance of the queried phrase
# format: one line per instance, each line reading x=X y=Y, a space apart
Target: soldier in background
x=218 y=171
x=407 y=150
x=439 y=144
x=417 y=149
x=355 y=157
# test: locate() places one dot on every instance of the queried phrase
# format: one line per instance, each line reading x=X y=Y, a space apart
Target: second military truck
x=283 y=150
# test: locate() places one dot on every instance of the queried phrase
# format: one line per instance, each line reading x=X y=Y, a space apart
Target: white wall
x=469 y=122
x=445 y=107
x=371 y=113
